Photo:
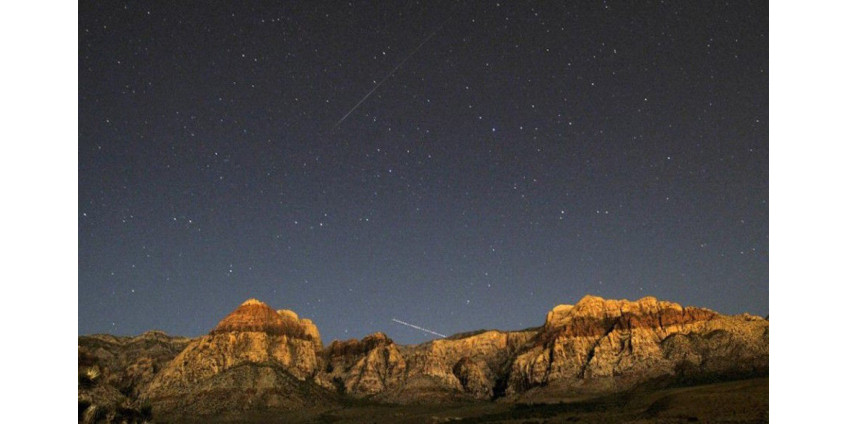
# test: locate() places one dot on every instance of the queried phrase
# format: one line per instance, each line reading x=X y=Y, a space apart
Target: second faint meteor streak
x=418 y=328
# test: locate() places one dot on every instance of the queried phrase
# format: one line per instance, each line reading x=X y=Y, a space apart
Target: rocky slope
x=257 y=358
x=113 y=371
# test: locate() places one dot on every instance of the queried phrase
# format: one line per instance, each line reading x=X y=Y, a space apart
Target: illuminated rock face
x=255 y=348
x=255 y=316
x=603 y=345
x=257 y=357
x=362 y=368
x=595 y=346
x=458 y=368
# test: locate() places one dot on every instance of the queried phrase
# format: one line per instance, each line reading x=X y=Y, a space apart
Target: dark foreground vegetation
x=741 y=401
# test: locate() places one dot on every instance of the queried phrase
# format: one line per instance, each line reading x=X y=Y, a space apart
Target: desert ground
x=743 y=401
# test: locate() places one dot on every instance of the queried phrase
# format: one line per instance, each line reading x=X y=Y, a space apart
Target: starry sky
x=453 y=165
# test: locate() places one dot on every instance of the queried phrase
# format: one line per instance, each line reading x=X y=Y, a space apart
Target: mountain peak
x=590 y=298
x=256 y=316
x=252 y=315
x=252 y=301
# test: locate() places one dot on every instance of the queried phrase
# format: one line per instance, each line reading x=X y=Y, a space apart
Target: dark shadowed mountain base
x=741 y=401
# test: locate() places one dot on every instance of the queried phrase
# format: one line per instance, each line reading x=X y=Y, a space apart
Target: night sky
x=455 y=166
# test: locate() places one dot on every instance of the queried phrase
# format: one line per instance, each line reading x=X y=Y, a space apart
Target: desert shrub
x=93 y=373
x=88 y=377
x=94 y=414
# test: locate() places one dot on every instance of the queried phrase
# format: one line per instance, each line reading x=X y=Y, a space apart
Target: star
x=431 y=189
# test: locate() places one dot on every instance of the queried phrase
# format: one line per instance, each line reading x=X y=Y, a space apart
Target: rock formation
x=255 y=316
x=362 y=368
x=469 y=364
x=259 y=358
x=602 y=345
x=596 y=346
x=255 y=347
x=113 y=371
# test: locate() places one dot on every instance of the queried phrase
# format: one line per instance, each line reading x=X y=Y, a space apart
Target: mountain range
x=259 y=360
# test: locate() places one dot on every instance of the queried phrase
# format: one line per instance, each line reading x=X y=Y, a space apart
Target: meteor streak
x=418 y=328
x=391 y=72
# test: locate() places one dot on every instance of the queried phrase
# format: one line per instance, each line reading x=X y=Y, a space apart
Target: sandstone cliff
x=270 y=353
x=456 y=368
x=602 y=345
x=361 y=368
x=255 y=316
x=596 y=346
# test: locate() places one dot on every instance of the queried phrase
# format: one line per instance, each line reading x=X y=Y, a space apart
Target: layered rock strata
x=256 y=348
x=603 y=345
